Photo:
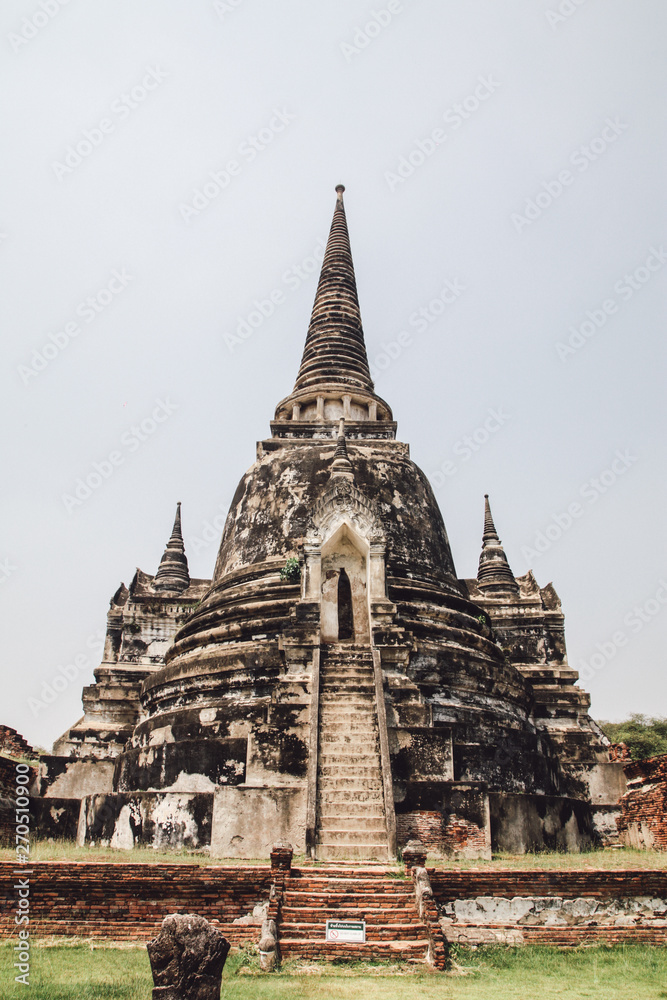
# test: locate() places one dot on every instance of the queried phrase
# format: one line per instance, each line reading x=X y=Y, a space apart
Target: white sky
x=220 y=74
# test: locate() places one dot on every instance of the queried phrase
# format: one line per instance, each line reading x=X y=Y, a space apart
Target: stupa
x=335 y=684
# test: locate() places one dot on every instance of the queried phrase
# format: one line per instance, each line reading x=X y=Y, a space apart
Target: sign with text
x=346 y=931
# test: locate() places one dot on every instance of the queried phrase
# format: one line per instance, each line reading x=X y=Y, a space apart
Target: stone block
x=247 y=820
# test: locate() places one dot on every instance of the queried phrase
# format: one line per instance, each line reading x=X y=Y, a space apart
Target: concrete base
x=247 y=821
x=72 y=778
x=522 y=823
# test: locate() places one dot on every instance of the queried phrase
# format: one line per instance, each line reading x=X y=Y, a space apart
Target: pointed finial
x=172 y=574
x=494 y=574
x=335 y=350
x=490 y=533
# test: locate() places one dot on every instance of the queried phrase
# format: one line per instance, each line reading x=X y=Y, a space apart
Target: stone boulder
x=187 y=958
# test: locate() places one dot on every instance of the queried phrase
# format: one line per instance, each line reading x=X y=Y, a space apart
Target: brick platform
x=128 y=902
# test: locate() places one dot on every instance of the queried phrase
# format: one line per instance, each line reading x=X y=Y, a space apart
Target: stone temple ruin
x=335 y=684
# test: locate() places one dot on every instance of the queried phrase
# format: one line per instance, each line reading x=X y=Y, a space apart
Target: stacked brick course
x=12 y=743
x=394 y=928
x=127 y=902
x=643 y=819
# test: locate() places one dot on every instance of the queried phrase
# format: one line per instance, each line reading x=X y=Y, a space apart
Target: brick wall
x=129 y=901
x=643 y=819
x=13 y=743
x=551 y=907
x=442 y=835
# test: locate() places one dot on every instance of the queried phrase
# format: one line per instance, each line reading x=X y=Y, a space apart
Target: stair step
x=344 y=673
x=304 y=948
x=337 y=713
x=338 y=770
x=336 y=829
x=384 y=906
x=351 y=810
x=351 y=784
x=307 y=901
x=361 y=727
x=347 y=700
x=347 y=740
x=352 y=852
x=346 y=754
x=392 y=932
x=376 y=833
x=335 y=796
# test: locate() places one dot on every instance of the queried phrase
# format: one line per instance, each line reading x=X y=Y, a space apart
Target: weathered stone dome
x=270 y=514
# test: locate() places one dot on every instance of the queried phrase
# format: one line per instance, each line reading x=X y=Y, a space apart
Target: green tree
x=643 y=735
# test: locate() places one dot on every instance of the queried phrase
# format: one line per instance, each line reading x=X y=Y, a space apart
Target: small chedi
x=335 y=684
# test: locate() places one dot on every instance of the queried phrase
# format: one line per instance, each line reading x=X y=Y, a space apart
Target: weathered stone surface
x=59 y=777
x=187 y=958
x=146 y=819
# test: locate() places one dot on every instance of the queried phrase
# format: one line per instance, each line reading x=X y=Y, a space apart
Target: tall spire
x=494 y=574
x=172 y=574
x=335 y=351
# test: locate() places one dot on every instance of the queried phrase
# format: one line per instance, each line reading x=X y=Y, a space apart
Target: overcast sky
x=168 y=176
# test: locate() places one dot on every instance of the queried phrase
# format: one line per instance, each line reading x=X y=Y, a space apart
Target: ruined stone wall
x=141 y=624
x=643 y=819
x=12 y=743
x=8 y=799
x=552 y=907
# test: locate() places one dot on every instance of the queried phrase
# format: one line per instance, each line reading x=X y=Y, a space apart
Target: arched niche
x=345 y=553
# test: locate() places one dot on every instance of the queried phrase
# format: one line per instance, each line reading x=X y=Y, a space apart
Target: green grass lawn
x=625 y=857
x=77 y=972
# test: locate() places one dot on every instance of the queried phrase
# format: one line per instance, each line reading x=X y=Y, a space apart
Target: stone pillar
x=187 y=958
x=347 y=401
x=414 y=855
x=378 y=589
x=281 y=856
x=320 y=407
x=312 y=573
x=372 y=411
x=296 y=411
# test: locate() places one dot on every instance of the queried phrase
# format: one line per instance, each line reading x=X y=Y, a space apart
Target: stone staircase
x=394 y=929
x=351 y=821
